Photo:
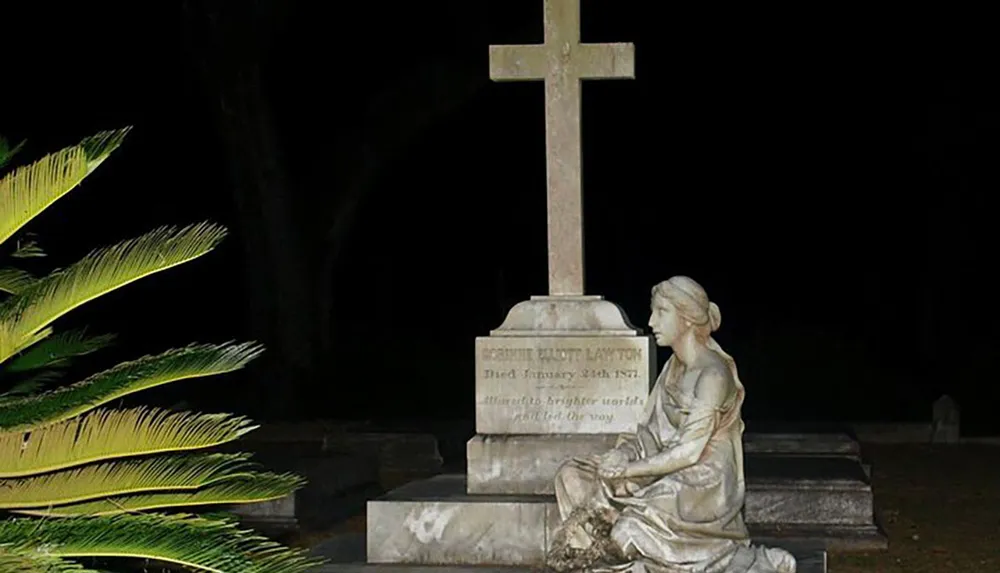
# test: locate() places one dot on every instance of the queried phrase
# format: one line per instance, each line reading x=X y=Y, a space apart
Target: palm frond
x=34 y=562
x=29 y=190
x=184 y=472
x=14 y=280
x=253 y=488
x=106 y=434
x=7 y=152
x=30 y=385
x=58 y=349
x=99 y=146
x=28 y=248
x=24 y=414
x=99 y=273
x=5 y=340
x=187 y=540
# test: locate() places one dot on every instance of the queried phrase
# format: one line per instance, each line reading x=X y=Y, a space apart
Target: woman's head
x=678 y=305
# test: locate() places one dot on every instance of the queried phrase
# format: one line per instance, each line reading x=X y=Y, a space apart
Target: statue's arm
x=693 y=433
x=629 y=444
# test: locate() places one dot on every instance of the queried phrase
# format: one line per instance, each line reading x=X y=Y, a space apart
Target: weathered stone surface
x=435 y=521
x=946 y=421
x=527 y=464
x=338 y=486
x=588 y=315
x=561 y=385
x=562 y=62
x=832 y=444
x=274 y=515
x=835 y=538
x=807 y=491
x=346 y=554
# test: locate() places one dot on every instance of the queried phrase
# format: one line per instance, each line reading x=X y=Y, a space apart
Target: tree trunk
x=394 y=121
x=228 y=48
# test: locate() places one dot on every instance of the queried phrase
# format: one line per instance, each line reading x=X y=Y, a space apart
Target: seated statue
x=669 y=498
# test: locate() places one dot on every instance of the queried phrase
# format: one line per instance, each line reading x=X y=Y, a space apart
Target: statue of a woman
x=669 y=498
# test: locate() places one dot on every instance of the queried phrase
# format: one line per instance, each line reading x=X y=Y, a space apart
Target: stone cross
x=562 y=61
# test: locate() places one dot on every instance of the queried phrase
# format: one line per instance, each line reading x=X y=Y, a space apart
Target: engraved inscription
x=561 y=384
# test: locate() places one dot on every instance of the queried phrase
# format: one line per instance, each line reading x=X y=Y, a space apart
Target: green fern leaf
x=99 y=146
x=108 y=434
x=14 y=280
x=25 y=414
x=28 y=248
x=7 y=152
x=29 y=190
x=34 y=562
x=58 y=349
x=31 y=385
x=186 y=540
x=184 y=472
x=252 y=488
x=27 y=313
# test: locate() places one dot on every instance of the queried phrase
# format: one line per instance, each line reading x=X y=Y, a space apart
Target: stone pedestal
x=562 y=377
x=826 y=501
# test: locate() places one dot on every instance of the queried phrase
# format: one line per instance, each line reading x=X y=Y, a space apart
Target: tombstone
x=562 y=376
x=338 y=484
x=272 y=517
x=945 y=421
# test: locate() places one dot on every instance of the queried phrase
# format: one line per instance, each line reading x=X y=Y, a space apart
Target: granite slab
x=346 y=554
x=526 y=463
x=435 y=522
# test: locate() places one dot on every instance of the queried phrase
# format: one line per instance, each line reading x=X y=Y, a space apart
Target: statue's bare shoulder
x=714 y=382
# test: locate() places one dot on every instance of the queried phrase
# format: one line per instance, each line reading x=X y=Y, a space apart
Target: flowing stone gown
x=689 y=520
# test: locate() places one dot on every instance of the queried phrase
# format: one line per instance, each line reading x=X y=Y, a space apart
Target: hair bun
x=714 y=316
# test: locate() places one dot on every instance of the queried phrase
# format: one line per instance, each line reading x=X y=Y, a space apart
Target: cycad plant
x=80 y=479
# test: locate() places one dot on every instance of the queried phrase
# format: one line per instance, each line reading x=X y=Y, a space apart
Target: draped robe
x=689 y=520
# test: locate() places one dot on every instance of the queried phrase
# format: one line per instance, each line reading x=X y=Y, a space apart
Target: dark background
x=827 y=174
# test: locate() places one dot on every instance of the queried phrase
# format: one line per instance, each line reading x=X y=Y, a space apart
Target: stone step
x=526 y=463
x=346 y=554
x=803 y=444
x=435 y=521
x=796 y=490
x=338 y=487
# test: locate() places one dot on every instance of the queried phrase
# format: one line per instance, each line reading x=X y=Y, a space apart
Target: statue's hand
x=612 y=464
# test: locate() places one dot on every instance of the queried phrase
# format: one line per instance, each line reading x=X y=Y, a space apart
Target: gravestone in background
x=946 y=421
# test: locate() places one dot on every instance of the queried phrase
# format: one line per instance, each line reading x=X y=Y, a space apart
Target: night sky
x=829 y=177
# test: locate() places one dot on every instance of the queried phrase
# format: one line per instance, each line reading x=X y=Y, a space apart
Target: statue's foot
x=577 y=537
x=783 y=561
x=583 y=541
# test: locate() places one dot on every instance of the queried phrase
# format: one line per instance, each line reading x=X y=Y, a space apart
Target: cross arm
x=513 y=62
x=606 y=61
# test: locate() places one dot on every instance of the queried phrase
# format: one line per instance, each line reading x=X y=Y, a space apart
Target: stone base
x=435 y=522
x=801 y=444
x=346 y=554
x=274 y=516
x=582 y=315
x=525 y=464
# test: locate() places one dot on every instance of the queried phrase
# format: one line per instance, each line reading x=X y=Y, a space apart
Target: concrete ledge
x=435 y=522
x=346 y=554
x=526 y=464
x=584 y=315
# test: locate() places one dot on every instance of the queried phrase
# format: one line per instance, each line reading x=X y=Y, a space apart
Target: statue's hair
x=691 y=302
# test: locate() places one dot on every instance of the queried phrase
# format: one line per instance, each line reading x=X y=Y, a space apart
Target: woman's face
x=666 y=324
